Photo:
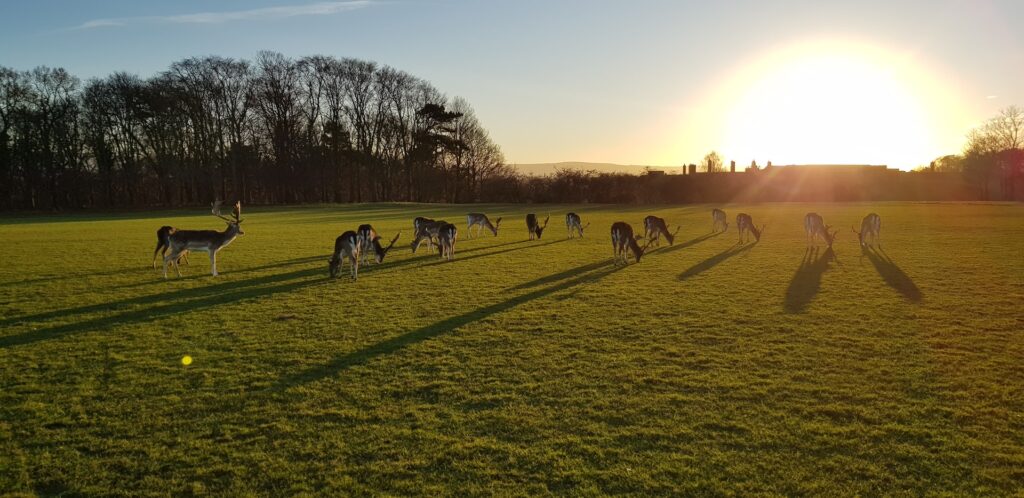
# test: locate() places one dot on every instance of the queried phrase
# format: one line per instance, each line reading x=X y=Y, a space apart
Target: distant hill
x=539 y=169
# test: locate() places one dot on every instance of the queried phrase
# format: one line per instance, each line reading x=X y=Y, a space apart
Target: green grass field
x=521 y=367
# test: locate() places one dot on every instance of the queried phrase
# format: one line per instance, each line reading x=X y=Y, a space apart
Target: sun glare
x=833 y=103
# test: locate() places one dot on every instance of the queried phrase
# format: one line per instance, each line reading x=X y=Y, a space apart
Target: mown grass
x=522 y=367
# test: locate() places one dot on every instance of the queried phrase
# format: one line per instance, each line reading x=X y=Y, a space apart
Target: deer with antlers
x=815 y=227
x=870 y=227
x=163 y=242
x=347 y=245
x=745 y=224
x=209 y=241
x=573 y=225
x=655 y=227
x=623 y=238
x=719 y=221
x=535 y=229
x=481 y=221
x=446 y=237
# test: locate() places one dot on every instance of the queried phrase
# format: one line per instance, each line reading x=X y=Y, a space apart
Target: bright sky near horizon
x=641 y=82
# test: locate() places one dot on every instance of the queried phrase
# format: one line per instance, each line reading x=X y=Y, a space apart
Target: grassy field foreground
x=522 y=367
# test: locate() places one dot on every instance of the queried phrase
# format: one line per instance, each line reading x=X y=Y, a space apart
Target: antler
x=678 y=228
x=854 y=230
x=236 y=213
x=546 y=222
x=215 y=209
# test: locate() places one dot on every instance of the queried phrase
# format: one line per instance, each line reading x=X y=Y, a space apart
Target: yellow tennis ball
x=186 y=360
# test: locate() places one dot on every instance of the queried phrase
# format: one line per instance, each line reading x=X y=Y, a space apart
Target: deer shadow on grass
x=715 y=260
x=220 y=293
x=495 y=253
x=416 y=336
x=893 y=275
x=684 y=245
x=806 y=281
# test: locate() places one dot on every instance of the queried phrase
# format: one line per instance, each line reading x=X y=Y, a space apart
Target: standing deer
x=572 y=224
x=163 y=242
x=655 y=227
x=347 y=245
x=446 y=237
x=871 y=227
x=744 y=223
x=481 y=221
x=534 y=228
x=622 y=238
x=815 y=227
x=718 y=220
x=366 y=235
x=209 y=241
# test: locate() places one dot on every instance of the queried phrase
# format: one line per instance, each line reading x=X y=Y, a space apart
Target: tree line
x=268 y=131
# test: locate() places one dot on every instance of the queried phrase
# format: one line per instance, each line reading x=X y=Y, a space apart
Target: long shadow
x=561 y=275
x=493 y=253
x=807 y=280
x=180 y=294
x=715 y=260
x=153 y=313
x=416 y=336
x=894 y=276
x=688 y=243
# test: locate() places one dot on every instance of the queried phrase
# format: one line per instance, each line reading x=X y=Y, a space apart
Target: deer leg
x=158 y=246
x=184 y=255
x=213 y=263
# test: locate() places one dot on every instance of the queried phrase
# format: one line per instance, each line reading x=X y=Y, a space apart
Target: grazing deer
x=209 y=241
x=719 y=221
x=366 y=235
x=446 y=238
x=534 y=228
x=573 y=224
x=426 y=230
x=655 y=227
x=816 y=227
x=380 y=251
x=871 y=227
x=347 y=245
x=622 y=238
x=481 y=221
x=744 y=223
x=163 y=242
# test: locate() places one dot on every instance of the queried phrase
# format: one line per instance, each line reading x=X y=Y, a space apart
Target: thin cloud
x=266 y=13
x=991 y=97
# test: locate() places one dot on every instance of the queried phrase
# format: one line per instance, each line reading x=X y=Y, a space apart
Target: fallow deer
x=655 y=227
x=163 y=242
x=745 y=224
x=535 y=228
x=347 y=245
x=209 y=241
x=446 y=238
x=623 y=238
x=380 y=251
x=366 y=235
x=481 y=221
x=426 y=230
x=573 y=224
x=719 y=221
x=815 y=227
x=870 y=227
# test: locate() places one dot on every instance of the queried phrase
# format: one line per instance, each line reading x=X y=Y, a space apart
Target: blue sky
x=609 y=81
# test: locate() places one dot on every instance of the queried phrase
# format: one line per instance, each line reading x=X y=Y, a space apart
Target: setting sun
x=832 y=102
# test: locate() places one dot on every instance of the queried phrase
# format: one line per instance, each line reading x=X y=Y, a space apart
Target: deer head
x=830 y=237
x=497 y=223
x=383 y=251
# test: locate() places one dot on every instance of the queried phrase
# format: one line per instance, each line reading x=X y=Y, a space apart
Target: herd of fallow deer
x=363 y=246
